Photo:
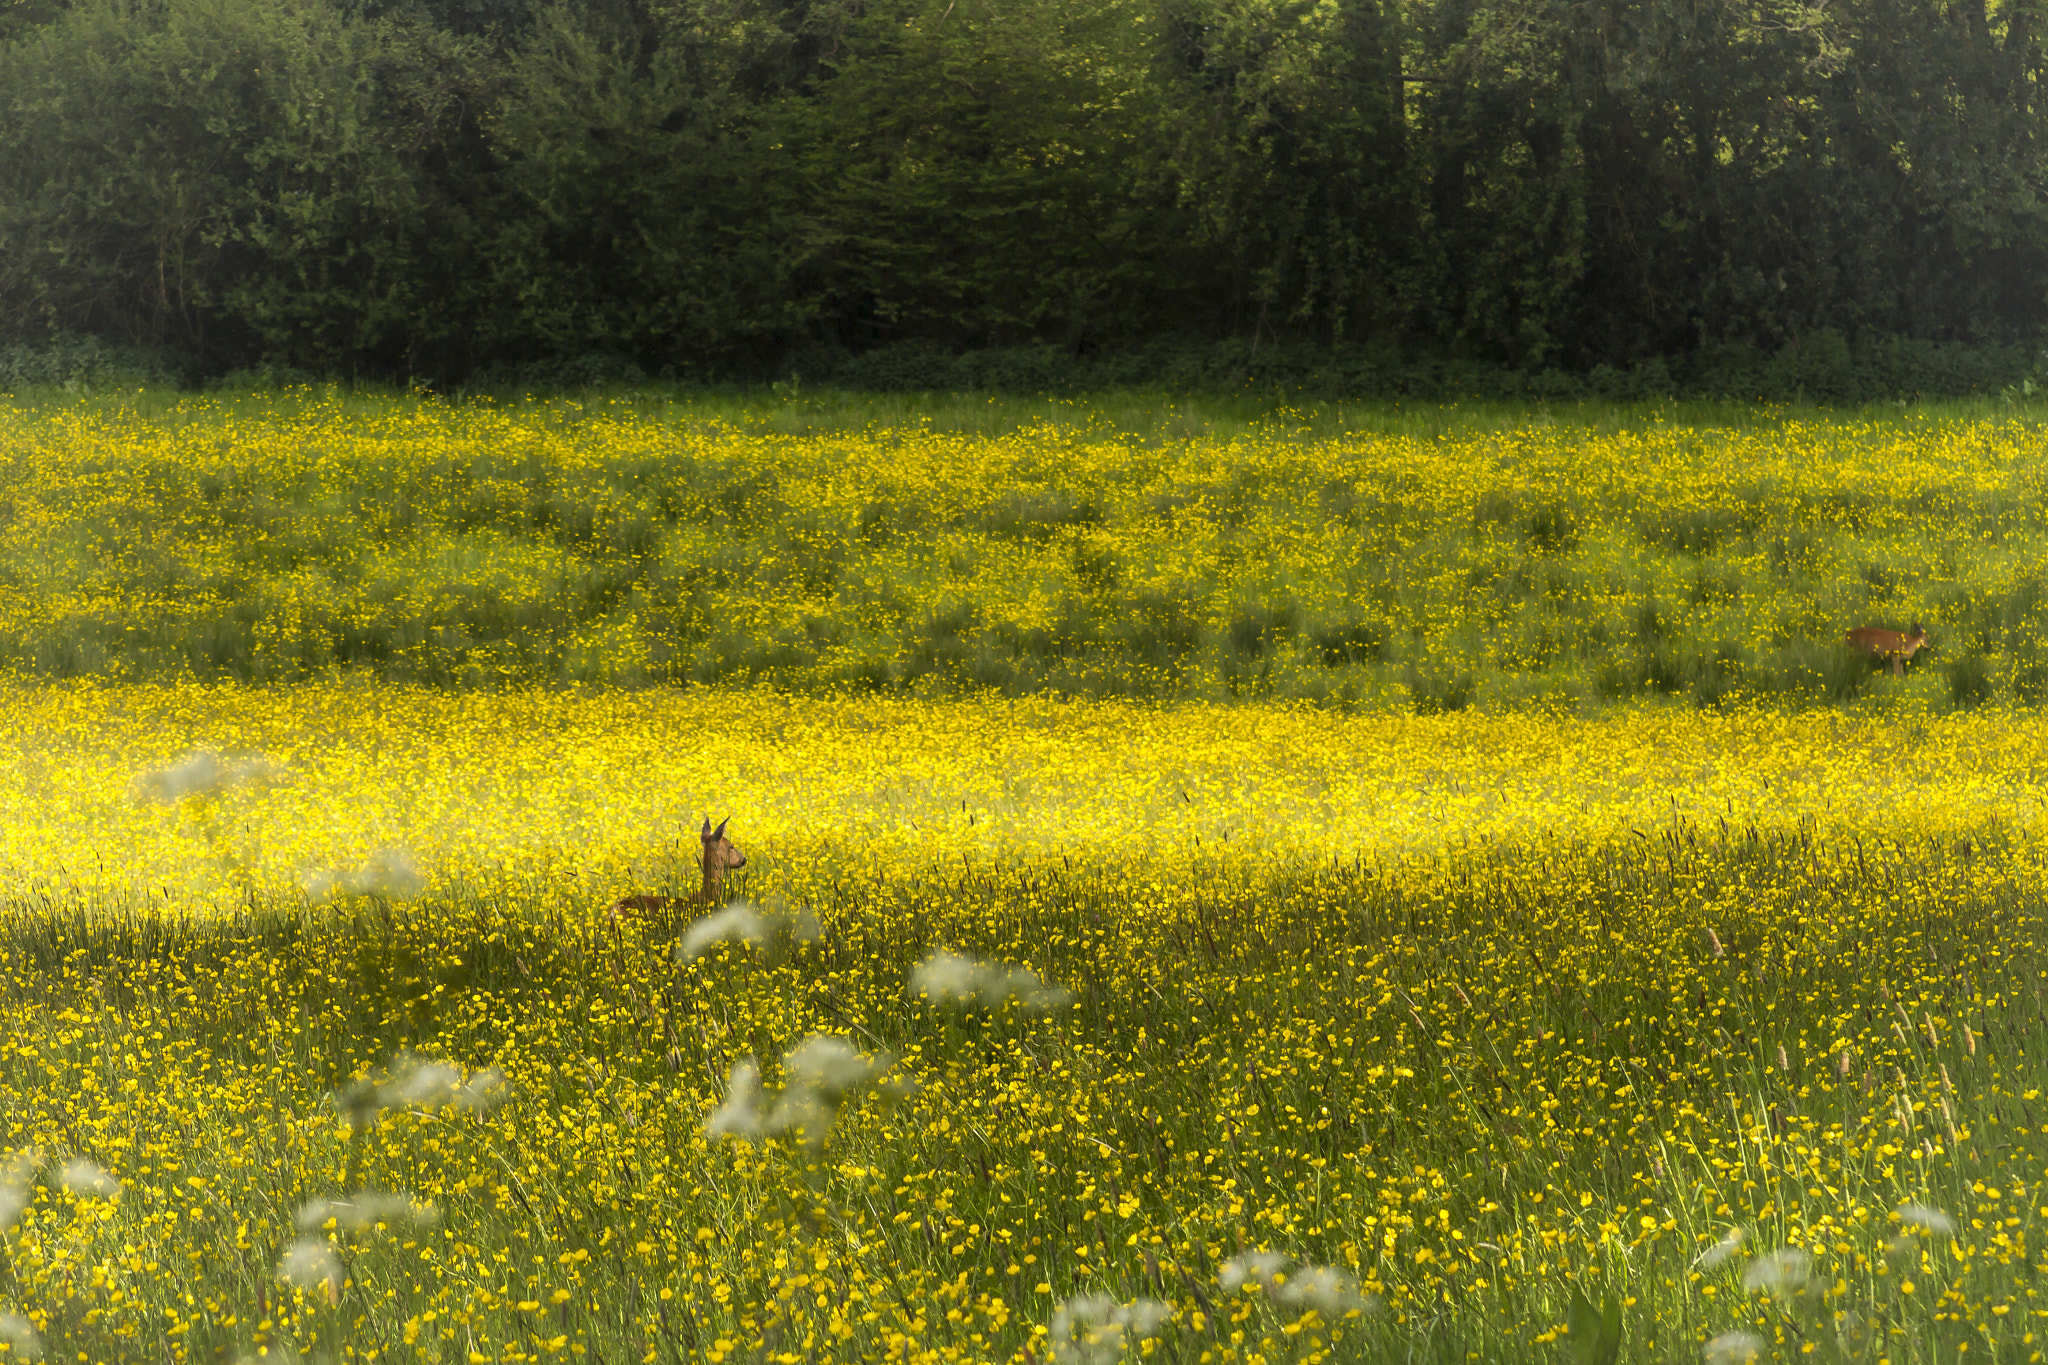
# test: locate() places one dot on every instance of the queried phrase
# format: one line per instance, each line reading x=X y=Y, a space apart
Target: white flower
x=1933 y=1221
x=1254 y=1267
x=830 y=1065
x=1324 y=1288
x=364 y=1210
x=482 y=1092
x=803 y=926
x=805 y=1114
x=415 y=1082
x=83 y=1177
x=1783 y=1272
x=1091 y=1329
x=310 y=1262
x=15 y=1174
x=740 y=1115
x=819 y=1072
x=1721 y=1252
x=20 y=1336
x=737 y=921
x=776 y=927
x=1733 y=1348
x=198 y=774
x=948 y=976
x=389 y=874
x=1144 y=1317
x=427 y=1084
x=954 y=979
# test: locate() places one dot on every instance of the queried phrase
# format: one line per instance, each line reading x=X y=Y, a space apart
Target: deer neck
x=713 y=890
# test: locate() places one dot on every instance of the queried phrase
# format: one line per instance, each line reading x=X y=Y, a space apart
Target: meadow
x=1153 y=1004
x=1342 y=557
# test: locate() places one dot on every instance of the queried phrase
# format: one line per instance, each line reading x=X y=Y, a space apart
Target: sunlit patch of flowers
x=1031 y=1030
x=391 y=793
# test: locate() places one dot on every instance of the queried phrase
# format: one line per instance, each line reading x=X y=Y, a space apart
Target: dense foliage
x=447 y=187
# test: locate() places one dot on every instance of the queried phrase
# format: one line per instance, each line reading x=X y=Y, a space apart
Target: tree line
x=722 y=188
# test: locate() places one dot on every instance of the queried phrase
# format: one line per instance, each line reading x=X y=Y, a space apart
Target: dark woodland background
x=1836 y=200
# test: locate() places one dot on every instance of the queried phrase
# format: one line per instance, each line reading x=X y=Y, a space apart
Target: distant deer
x=1887 y=644
x=720 y=856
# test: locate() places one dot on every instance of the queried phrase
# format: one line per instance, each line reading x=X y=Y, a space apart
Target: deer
x=1887 y=644
x=720 y=856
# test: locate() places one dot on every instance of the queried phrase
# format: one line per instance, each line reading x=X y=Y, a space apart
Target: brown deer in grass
x=720 y=856
x=1887 y=644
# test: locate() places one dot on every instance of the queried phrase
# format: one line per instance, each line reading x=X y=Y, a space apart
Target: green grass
x=1506 y=1057
x=1117 y=545
x=1309 y=1059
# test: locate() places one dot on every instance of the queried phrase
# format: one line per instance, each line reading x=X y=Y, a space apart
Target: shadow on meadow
x=1354 y=558
x=1486 y=1096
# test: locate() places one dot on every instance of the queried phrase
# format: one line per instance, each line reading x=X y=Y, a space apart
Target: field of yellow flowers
x=1431 y=560
x=1043 y=1022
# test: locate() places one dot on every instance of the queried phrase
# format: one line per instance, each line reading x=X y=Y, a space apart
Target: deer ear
x=706 y=831
x=719 y=833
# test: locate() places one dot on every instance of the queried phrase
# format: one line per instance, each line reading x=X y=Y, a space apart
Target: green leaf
x=1595 y=1332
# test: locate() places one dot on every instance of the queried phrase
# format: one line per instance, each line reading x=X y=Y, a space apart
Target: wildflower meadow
x=1432 y=887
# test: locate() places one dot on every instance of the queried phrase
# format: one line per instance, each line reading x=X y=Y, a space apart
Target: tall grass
x=1509 y=1097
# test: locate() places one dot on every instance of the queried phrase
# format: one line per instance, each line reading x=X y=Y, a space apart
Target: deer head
x=721 y=855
